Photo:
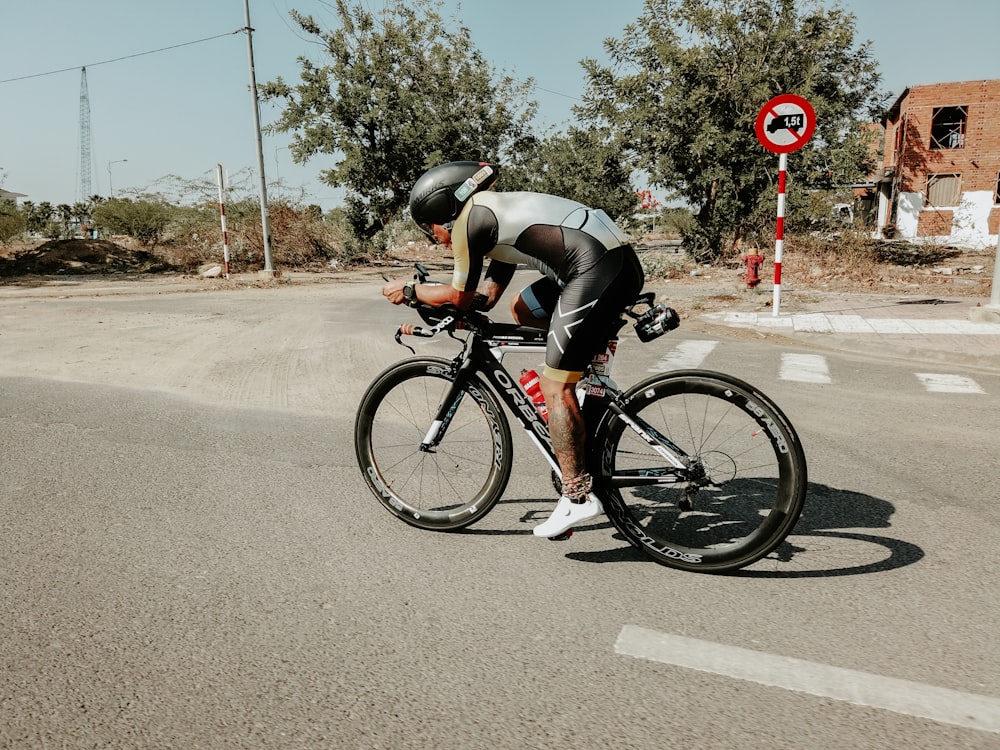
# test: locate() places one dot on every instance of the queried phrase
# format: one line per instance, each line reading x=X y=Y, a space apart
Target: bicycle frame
x=484 y=355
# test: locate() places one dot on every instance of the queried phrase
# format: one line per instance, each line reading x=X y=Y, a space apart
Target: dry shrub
x=852 y=260
x=851 y=254
x=300 y=237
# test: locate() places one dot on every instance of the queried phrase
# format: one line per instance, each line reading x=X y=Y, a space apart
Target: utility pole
x=993 y=309
x=990 y=312
x=265 y=222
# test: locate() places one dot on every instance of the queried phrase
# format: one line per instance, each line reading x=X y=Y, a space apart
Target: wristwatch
x=410 y=293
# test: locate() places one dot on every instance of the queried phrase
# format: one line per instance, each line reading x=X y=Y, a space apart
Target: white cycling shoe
x=566 y=515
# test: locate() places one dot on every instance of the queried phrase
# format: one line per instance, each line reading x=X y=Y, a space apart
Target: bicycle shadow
x=829 y=513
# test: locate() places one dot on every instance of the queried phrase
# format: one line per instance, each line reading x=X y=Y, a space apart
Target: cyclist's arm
x=430 y=294
x=494 y=283
x=443 y=294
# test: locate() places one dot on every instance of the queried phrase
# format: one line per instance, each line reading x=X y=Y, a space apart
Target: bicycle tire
x=754 y=483
x=455 y=483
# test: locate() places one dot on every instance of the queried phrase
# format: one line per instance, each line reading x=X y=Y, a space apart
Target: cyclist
x=590 y=273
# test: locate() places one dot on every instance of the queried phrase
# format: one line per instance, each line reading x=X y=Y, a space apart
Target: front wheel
x=445 y=486
x=742 y=485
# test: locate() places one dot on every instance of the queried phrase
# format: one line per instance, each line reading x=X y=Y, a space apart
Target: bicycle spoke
x=738 y=497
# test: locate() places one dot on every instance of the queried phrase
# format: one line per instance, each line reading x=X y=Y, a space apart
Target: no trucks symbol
x=785 y=123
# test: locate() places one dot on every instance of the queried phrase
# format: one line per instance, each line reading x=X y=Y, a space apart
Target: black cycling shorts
x=585 y=313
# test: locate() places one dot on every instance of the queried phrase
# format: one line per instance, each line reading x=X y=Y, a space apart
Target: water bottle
x=532 y=386
x=655 y=322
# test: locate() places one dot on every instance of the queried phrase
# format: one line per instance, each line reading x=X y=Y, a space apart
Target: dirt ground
x=60 y=257
x=941 y=272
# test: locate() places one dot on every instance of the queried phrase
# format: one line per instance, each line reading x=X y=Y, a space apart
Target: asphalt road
x=191 y=558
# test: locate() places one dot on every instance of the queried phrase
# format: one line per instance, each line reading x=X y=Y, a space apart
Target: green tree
x=39 y=216
x=398 y=93
x=687 y=80
x=12 y=221
x=58 y=226
x=144 y=219
x=588 y=166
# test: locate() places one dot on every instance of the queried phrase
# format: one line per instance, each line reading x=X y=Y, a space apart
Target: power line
x=126 y=57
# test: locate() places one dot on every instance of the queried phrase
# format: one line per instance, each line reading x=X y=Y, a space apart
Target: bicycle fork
x=448 y=407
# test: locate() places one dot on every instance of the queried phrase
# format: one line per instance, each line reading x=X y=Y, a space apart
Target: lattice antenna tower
x=86 y=163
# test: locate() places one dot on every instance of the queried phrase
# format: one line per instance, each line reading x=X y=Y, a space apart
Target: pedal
x=562 y=537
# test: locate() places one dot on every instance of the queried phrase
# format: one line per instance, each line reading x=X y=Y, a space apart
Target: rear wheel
x=743 y=484
x=443 y=487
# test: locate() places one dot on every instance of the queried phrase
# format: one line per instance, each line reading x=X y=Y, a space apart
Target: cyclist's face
x=441 y=234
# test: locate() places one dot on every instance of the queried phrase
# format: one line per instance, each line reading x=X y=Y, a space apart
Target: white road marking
x=947 y=706
x=685 y=354
x=804 y=368
x=948 y=383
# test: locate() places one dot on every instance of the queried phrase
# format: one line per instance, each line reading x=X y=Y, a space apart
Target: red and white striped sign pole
x=779 y=237
x=222 y=214
x=783 y=125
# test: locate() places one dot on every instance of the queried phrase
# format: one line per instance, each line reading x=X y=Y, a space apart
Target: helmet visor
x=428 y=230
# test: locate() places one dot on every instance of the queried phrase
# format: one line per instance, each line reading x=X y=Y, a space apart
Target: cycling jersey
x=578 y=248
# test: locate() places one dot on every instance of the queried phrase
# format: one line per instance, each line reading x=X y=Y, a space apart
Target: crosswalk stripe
x=685 y=354
x=936 y=383
x=804 y=368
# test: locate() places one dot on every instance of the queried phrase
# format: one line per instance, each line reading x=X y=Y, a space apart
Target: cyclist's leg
x=586 y=316
x=534 y=304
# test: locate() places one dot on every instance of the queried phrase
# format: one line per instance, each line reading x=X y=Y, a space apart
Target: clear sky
x=181 y=111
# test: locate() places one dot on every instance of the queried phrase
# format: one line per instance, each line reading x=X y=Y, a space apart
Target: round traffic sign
x=785 y=123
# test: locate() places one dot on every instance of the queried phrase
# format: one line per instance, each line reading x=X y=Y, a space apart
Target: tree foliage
x=12 y=221
x=146 y=220
x=686 y=82
x=397 y=93
x=585 y=165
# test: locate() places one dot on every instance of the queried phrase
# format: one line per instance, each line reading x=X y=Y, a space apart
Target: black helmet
x=442 y=191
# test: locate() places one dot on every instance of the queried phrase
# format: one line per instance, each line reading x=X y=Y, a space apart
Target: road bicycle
x=697 y=469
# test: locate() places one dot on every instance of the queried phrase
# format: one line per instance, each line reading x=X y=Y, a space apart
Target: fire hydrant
x=753 y=262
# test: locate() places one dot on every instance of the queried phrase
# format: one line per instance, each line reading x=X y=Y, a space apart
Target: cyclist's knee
x=557 y=384
x=524 y=315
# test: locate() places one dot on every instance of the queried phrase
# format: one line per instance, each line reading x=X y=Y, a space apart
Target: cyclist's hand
x=393 y=291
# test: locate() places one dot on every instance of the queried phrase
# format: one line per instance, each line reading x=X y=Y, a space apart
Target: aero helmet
x=442 y=191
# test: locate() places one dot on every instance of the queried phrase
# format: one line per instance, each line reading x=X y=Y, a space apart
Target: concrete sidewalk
x=953 y=330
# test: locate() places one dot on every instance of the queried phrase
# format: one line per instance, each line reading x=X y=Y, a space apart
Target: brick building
x=941 y=165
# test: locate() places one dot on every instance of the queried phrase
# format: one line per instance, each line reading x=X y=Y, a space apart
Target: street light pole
x=111 y=187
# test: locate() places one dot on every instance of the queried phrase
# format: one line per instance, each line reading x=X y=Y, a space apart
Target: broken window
x=948 y=127
x=943 y=190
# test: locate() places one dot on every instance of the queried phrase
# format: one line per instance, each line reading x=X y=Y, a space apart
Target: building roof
x=7 y=194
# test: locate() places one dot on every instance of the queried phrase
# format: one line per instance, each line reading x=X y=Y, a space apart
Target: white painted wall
x=969 y=228
x=971 y=225
x=907 y=212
